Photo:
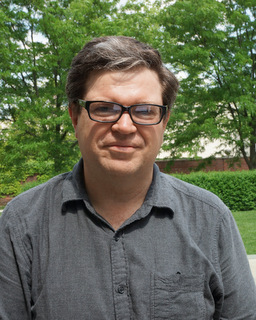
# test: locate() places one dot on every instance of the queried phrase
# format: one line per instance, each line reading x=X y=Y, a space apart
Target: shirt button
x=121 y=289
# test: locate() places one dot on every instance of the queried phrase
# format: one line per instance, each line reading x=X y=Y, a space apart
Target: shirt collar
x=74 y=187
x=158 y=195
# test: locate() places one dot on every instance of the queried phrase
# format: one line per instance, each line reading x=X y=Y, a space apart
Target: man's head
x=117 y=53
x=118 y=90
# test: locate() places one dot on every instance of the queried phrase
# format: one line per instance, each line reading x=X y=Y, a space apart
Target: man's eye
x=142 y=109
x=103 y=109
x=146 y=111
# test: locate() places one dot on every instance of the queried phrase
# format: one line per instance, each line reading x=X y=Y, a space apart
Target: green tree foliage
x=211 y=45
x=38 y=40
x=138 y=19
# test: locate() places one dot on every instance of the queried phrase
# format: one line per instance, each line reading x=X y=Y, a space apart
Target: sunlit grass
x=246 y=222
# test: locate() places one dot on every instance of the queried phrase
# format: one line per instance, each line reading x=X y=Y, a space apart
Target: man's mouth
x=121 y=147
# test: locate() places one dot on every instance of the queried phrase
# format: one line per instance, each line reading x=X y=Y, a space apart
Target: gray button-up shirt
x=180 y=256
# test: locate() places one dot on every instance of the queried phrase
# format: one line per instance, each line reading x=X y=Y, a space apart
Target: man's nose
x=125 y=124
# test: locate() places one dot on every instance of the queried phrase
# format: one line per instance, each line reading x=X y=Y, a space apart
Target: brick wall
x=186 y=165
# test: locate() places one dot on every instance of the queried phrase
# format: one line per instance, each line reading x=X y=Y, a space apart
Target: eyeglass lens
x=110 y=112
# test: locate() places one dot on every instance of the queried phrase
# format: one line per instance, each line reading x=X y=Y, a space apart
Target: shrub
x=12 y=185
x=8 y=184
x=236 y=189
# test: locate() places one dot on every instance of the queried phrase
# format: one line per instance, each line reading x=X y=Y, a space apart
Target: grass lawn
x=246 y=221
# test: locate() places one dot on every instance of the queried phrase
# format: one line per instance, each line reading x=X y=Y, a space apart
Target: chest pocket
x=177 y=297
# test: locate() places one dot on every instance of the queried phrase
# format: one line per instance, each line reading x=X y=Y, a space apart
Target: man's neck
x=117 y=198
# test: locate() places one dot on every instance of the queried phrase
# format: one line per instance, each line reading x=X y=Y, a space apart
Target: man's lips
x=121 y=146
x=124 y=145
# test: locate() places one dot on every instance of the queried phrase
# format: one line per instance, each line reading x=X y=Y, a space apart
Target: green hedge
x=236 y=189
x=9 y=186
x=12 y=181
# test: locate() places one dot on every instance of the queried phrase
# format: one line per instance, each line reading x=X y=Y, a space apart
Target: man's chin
x=123 y=167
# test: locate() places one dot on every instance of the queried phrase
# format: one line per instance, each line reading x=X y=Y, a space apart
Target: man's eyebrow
x=113 y=101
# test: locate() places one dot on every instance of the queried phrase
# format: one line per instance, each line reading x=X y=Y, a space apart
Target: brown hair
x=113 y=53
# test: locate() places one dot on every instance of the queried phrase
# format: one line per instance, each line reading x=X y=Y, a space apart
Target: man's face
x=122 y=147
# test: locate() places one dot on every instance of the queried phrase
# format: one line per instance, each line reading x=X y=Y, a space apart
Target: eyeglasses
x=109 y=112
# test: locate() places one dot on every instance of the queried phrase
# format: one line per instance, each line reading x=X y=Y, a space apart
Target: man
x=115 y=238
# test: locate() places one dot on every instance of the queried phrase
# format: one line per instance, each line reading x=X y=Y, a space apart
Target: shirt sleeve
x=14 y=270
x=238 y=282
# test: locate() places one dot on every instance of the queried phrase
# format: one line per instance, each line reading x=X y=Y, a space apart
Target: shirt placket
x=120 y=279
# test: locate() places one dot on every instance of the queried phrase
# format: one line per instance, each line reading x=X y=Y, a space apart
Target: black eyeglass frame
x=86 y=104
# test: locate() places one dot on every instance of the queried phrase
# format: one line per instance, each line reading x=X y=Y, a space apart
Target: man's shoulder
x=35 y=201
x=34 y=193
x=196 y=208
x=182 y=190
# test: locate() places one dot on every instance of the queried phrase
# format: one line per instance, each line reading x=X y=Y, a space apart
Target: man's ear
x=73 y=115
x=166 y=118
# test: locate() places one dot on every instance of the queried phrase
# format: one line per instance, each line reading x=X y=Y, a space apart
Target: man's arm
x=239 y=285
x=14 y=271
